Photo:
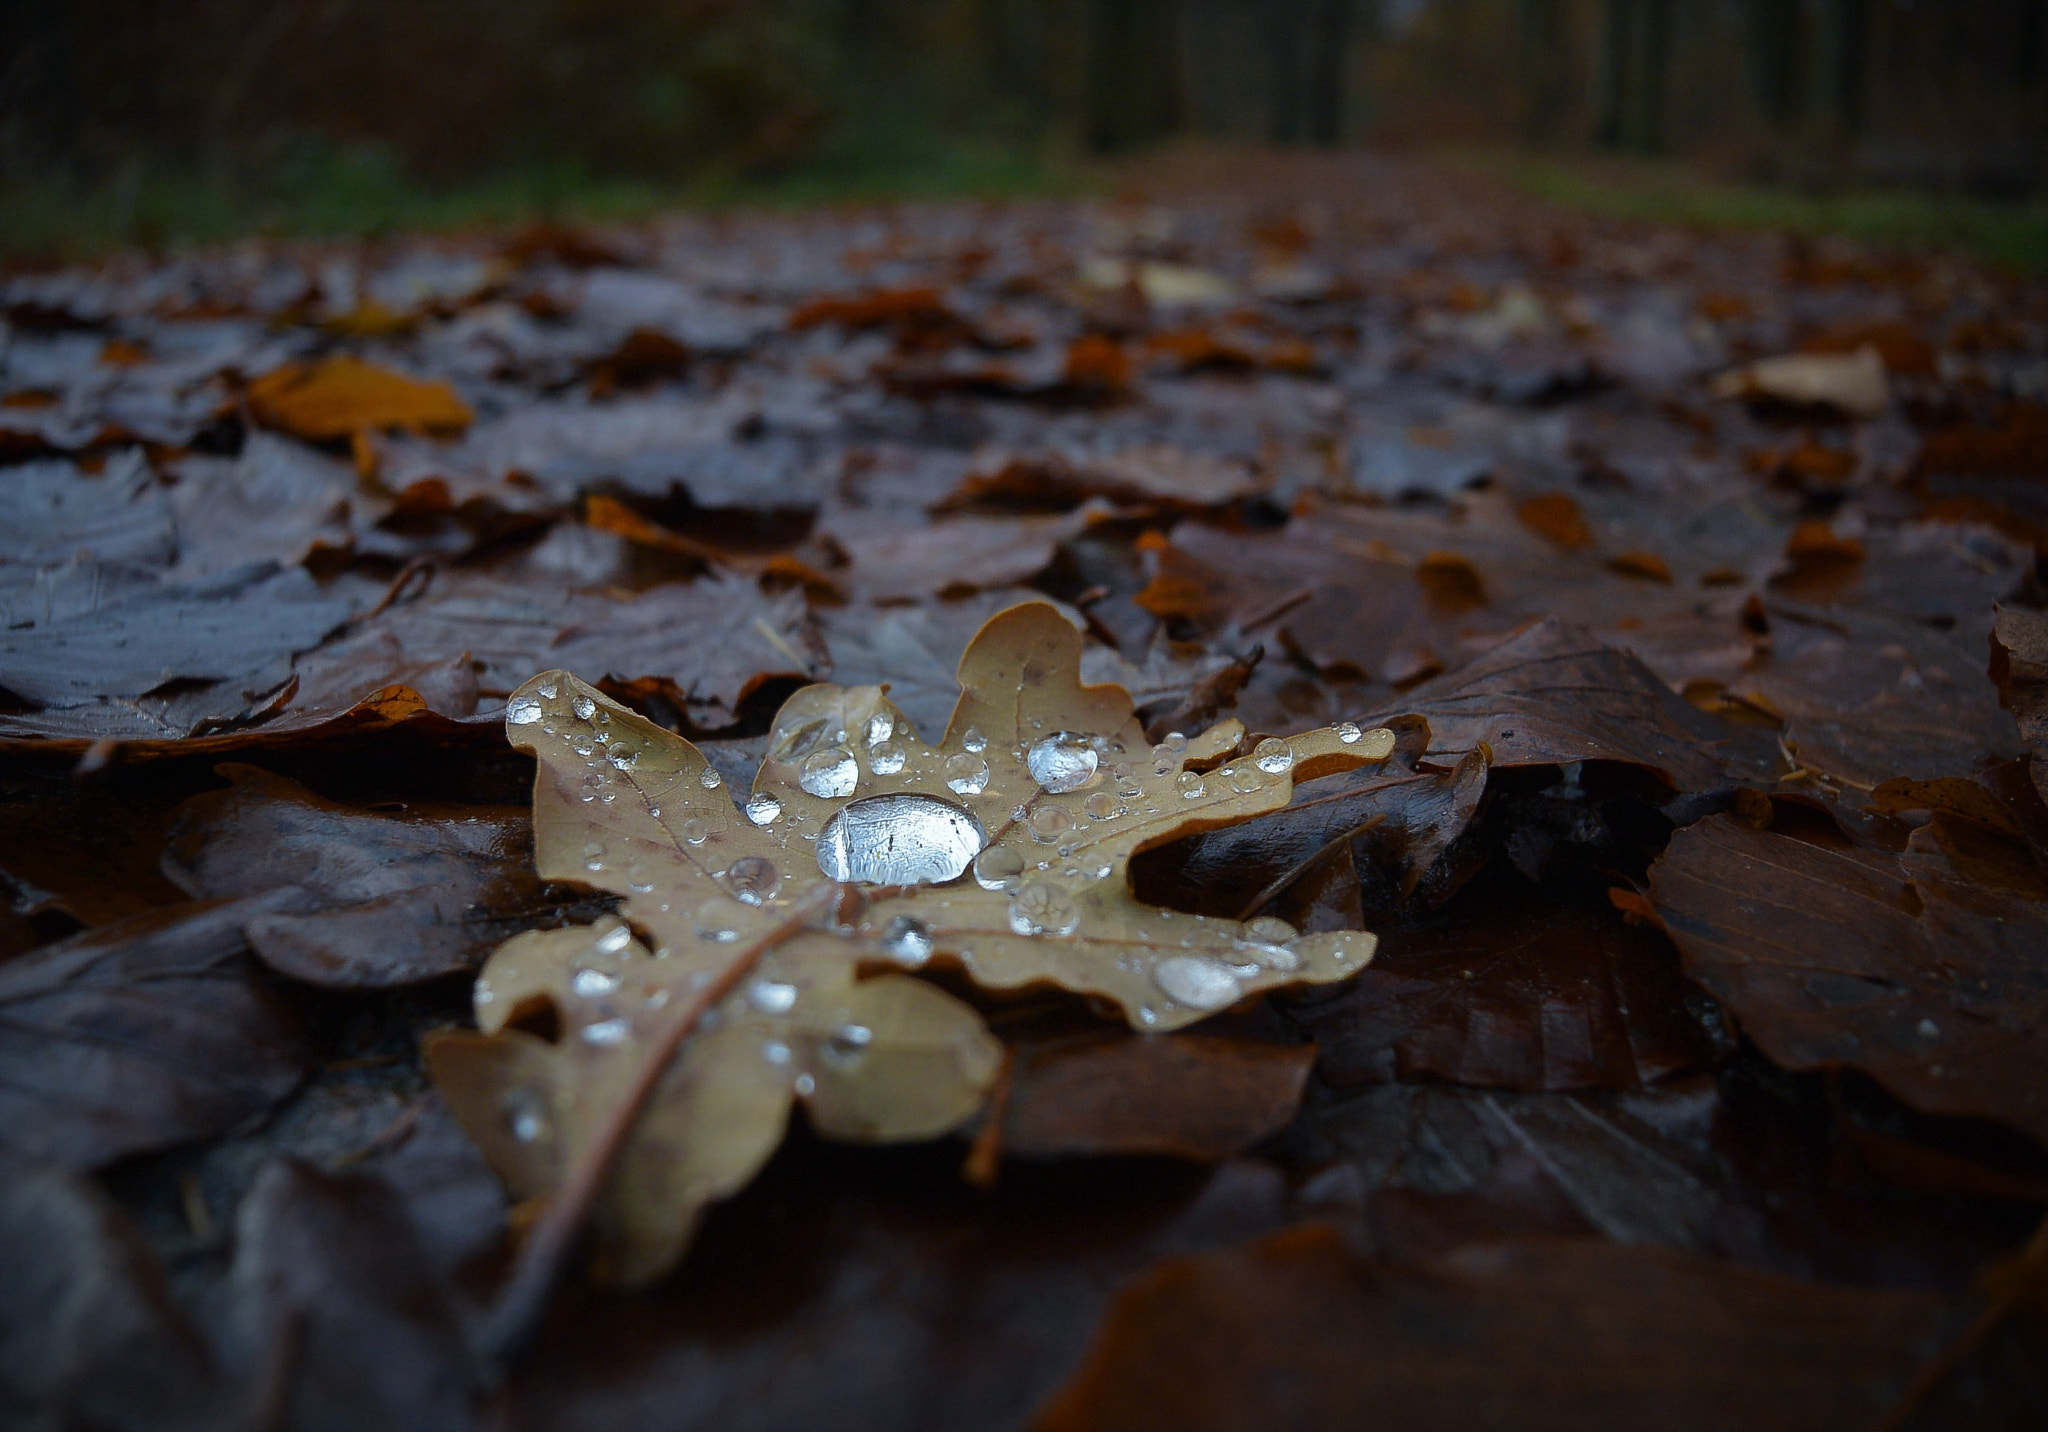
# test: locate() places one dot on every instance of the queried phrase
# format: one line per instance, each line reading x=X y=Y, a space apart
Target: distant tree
x=1635 y=47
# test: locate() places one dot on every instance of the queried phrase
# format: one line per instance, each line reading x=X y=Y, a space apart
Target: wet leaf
x=341 y=396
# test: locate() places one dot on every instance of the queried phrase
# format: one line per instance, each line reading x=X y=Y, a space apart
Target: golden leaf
x=341 y=396
x=1002 y=850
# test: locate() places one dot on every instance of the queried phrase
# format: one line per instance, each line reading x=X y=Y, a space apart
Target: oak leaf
x=1001 y=850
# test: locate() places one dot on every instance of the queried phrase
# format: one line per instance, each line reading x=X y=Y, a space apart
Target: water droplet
x=655 y=811
x=522 y=711
x=593 y=855
x=1244 y=779
x=966 y=774
x=805 y=1085
x=1347 y=732
x=1197 y=981
x=907 y=941
x=771 y=996
x=899 y=840
x=695 y=831
x=850 y=1041
x=712 y=918
x=583 y=746
x=548 y=691
x=1101 y=806
x=1048 y=823
x=885 y=758
x=526 y=1116
x=1275 y=757
x=711 y=780
x=584 y=707
x=775 y=1052
x=1062 y=762
x=829 y=774
x=997 y=867
x=973 y=740
x=614 y=940
x=624 y=758
x=1270 y=930
x=881 y=726
x=753 y=879
x=639 y=879
x=763 y=810
x=1191 y=787
x=593 y=984
x=1175 y=742
x=607 y=1032
x=1042 y=908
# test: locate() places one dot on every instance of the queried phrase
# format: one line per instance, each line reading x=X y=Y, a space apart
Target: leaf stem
x=508 y=1327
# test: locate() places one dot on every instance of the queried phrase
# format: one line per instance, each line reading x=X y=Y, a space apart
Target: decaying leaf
x=1043 y=786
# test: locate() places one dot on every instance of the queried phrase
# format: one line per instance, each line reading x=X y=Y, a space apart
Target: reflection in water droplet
x=1275 y=757
x=899 y=840
x=1347 y=732
x=695 y=831
x=584 y=707
x=997 y=867
x=1048 y=823
x=1244 y=779
x=763 y=810
x=1041 y=907
x=1101 y=806
x=881 y=726
x=829 y=774
x=711 y=780
x=1063 y=762
x=1190 y=785
x=966 y=774
x=1197 y=981
x=607 y=1032
x=771 y=996
x=885 y=758
x=526 y=1116
x=614 y=940
x=973 y=740
x=754 y=880
x=907 y=941
x=593 y=984
x=522 y=711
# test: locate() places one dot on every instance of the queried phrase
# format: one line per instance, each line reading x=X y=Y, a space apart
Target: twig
x=513 y=1318
x=985 y=1154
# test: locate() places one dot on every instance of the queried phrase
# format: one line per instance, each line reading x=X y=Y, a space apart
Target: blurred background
x=143 y=120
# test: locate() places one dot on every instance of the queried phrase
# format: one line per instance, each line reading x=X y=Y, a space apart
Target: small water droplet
x=805 y=1085
x=1274 y=756
x=771 y=996
x=973 y=740
x=639 y=879
x=754 y=879
x=1190 y=784
x=614 y=940
x=1048 y=823
x=712 y=918
x=695 y=831
x=583 y=746
x=851 y=1040
x=624 y=758
x=711 y=780
x=1270 y=930
x=607 y=1032
x=593 y=984
x=881 y=726
x=1347 y=732
x=907 y=940
x=829 y=774
x=1245 y=779
x=1197 y=981
x=775 y=1052
x=526 y=1116
x=966 y=774
x=763 y=810
x=885 y=758
x=584 y=707
x=1101 y=806
x=1175 y=742
x=522 y=711
x=1062 y=762
x=1041 y=907
x=997 y=867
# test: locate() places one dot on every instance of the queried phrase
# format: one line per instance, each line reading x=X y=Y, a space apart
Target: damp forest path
x=1684 y=586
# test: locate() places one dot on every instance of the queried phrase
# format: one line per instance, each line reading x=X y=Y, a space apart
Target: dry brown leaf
x=341 y=396
x=1044 y=786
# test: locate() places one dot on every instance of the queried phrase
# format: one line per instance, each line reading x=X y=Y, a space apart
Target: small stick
x=516 y=1314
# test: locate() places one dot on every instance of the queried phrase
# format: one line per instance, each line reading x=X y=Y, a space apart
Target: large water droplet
x=584 y=707
x=966 y=774
x=753 y=879
x=829 y=774
x=1062 y=762
x=973 y=740
x=1041 y=907
x=522 y=711
x=1197 y=981
x=1191 y=786
x=998 y=867
x=1048 y=823
x=899 y=840
x=1274 y=756
x=1347 y=732
x=886 y=758
x=771 y=996
x=711 y=780
x=907 y=941
x=607 y=1032
x=763 y=810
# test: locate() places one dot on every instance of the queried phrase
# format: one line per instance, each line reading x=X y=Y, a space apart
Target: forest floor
x=1700 y=1078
